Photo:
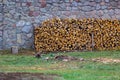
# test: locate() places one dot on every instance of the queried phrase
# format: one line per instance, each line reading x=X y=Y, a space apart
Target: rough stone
x=1 y=18
x=55 y=9
x=63 y=6
x=80 y=4
x=1 y=8
x=12 y=11
x=113 y=4
x=105 y=11
x=99 y=13
x=74 y=3
x=49 y=1
x=118 y=17
x=68 y=8
x=20 y=23
x=11 y=34
x=31 y=8
x=74 y=8
x=106 y=16
x=113 y=17
x=86 y=3
x=91 y=13
x=0 y=39
x=107 y=0
x=93 y=4
x=1 y=1
x=98 y=1
x=19 y=38
x=87 y=8
x=29 y=35
x=98 y=6
x=26 y=29
x=30 y=13
x=118 y=6
x=117 y=11
x=67 y=0
x=103 y=7
x=111 y=12
x=43 y=18
x=27 y=23
x=43 y=10
x=0 y=33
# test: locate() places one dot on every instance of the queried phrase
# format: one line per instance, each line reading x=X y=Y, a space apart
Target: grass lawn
x=66 y=70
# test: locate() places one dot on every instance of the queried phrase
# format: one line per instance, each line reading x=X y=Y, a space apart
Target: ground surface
x=101 y=65
x=25 y=76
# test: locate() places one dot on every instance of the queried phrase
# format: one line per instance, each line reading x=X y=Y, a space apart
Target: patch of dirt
x=26 y=76
x=106 y=60
x=100 y=59
x=67 y=58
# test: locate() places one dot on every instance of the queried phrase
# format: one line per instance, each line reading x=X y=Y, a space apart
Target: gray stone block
x=28 y=24
x=99 y=13
x=117 y=11
x=29 y=35
x=1 y=27
x=86 y=3
x=1 y=8
x=1 y=39
x=0 y=33
x=67 y=0
x=114 y=4
x=74 y=8
x=107 y=0
x=19 y=38
x=1 y=18
x=56 y=1
x=118 y=17
x=111 y=12
x=106 y=16
x=98 y=1
x=1 y=1
x=20 y=23
x=49 y=1
x=26 y=29
x=87 y=8
x=98 y=6
x=74 y=3
x=103 y=7
x=43 y=10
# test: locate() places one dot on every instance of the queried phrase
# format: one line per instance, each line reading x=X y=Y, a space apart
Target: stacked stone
x=18 y=29
x=1 y=39
x=24 y=34
x=1 y=23
x=20 y=16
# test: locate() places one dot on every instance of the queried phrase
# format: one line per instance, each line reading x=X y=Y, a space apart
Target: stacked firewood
x=77 y=34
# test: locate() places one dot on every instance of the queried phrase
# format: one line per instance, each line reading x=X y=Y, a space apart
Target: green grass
x=73 y=70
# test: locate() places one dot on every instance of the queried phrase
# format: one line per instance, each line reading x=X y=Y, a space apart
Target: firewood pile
x=77 y=34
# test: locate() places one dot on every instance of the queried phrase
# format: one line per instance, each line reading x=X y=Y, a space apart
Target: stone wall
x=19 y=17
x=1 y=25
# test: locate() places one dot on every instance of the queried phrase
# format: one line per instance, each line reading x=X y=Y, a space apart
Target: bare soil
x=68 y=58
x=26 y=76
x=99 y=59
x=106 y=60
